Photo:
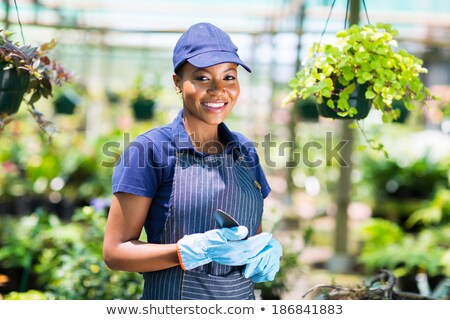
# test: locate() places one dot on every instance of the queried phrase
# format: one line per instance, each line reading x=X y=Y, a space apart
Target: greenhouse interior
x=357 y=202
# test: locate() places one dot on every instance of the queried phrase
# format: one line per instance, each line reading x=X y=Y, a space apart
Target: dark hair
x=179 y=71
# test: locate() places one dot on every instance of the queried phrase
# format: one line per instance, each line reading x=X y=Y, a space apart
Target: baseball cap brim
x=212 y=58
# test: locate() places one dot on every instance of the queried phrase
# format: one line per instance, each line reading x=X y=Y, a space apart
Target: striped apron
x=202 y=185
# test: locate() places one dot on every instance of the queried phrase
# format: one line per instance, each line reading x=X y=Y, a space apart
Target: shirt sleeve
x=137 y=171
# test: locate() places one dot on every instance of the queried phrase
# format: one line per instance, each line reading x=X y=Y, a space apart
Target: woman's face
x=209 y=94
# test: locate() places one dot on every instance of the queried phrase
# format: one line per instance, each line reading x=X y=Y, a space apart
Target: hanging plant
x=143 y=108
x=27 y=74
x=306 y=109
x=65 y=104
x=356 y=99
x=361 y=56
x=67 y=99
x=143 y=98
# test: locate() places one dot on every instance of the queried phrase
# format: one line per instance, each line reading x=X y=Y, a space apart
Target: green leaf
x=343 y=104
x=409 y=105
x=341 y=34
x=35 y=97
x=349 y=75
x=293 y=83
x=361 y=148
x=366 y=67
x=387 y=117
x=330 y=104
x=378 y=86
x=370 y=95
x=349 y=89
x=367 y=76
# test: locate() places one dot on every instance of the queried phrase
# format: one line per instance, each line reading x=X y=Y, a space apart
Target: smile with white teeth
x=214 y=104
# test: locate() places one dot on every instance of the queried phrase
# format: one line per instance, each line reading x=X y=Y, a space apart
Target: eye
x=201 y=78
x=230 y=77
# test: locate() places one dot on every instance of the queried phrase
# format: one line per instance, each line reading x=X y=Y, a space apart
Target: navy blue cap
x=204 y=45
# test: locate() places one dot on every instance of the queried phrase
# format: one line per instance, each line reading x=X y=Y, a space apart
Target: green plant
x=35 y=63
x=402 y=179
x=78 y=271
x=436 y=213
x=64 y=260
x=361 y=56
x=29 y=295
x=67 y=98
x=144 y=88
x=143 y=98
x=387 y=246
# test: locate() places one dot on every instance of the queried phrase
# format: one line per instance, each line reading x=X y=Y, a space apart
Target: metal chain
x=20 y=23
x=326 y=23
x=365 y=9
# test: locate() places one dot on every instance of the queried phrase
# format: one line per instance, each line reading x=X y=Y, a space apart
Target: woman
x=172 y=179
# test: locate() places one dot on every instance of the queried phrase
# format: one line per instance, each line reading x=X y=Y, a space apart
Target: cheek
x=189 y=91
x=234 y=90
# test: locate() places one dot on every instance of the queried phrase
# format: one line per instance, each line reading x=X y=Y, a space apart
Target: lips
x=215 y=107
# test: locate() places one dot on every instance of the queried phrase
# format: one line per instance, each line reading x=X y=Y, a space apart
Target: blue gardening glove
x=220 y=245
x=239 y=253
x=266 y=264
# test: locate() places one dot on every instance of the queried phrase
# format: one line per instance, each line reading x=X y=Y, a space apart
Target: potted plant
x=359 y=70
x=399 y=186
x=26 y=71
x=143 y=101
x=67 y=99
x=386 y=246
x=306 y=109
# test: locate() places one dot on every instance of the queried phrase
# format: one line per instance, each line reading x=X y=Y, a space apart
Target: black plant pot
x=307 y=109
x=143 y=109
x=66 y=103
x=357 y=100
x=404 y=112
x=12 y=88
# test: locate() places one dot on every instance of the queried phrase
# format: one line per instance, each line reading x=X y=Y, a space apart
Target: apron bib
x=202 y=185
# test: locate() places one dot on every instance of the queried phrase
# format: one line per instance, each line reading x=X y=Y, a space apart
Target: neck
x=204 y=137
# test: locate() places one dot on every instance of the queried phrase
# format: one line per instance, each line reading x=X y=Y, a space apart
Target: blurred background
x=338 y=225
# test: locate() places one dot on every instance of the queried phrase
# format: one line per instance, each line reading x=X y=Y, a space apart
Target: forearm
x=138 y=256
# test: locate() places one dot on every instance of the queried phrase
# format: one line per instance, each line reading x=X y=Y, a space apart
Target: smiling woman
x=171 y=180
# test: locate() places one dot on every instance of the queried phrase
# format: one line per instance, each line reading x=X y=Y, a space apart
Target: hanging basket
x=307 y=109
x=143 y=109
x=357 y=100
x=12 y=89
x=66 y=102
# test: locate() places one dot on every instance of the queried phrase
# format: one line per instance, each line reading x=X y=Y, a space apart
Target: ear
x=176 y=81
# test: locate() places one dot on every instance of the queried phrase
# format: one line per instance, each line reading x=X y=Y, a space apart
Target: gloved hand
x=266 y=264
x=223 y=246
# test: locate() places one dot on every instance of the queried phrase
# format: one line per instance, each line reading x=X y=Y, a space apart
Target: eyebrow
x=205 y=70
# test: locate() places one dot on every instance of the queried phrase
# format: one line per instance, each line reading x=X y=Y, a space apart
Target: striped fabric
x=202 y=185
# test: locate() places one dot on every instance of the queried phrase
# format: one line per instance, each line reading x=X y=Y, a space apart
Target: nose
x=216 y=87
